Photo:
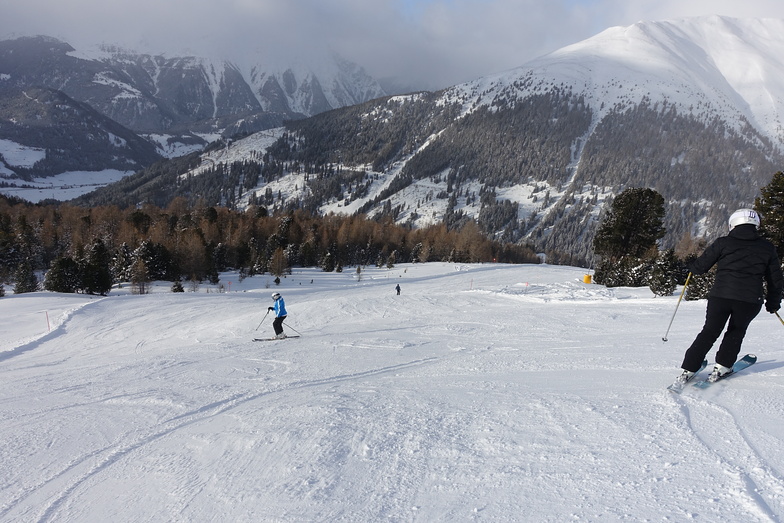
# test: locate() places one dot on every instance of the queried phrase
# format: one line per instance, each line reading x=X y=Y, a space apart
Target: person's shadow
x=767 y=365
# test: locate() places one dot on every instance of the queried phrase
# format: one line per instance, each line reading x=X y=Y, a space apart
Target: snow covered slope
x=481 y=393
x=714 y=66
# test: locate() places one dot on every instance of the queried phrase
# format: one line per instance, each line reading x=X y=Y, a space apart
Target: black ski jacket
x=744 y=260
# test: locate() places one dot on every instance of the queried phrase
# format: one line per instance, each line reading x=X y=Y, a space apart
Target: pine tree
x=28 y=243
x=626 y=239
x=25 y=279
x=638 y=271
x=95 y=269
x=700 y=285
x=608 y=273
x=220 y=257
x=628 y=271
x=770 y=204
x=415 y=252
x=121 y=264
x=632 y=226
x=9 y=253
x=665 y=274
x=157 y=260
x=328 y=262
x=63 y=276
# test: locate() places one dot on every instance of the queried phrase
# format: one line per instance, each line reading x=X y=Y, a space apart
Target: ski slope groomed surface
x=494 y=393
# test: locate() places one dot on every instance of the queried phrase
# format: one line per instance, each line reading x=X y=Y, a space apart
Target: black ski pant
x=278 y=324
x=739 y=313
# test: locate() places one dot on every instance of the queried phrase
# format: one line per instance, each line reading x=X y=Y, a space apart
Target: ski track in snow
x=81 y=471
x=482 y=393
x=758 y=486
x=92 y=464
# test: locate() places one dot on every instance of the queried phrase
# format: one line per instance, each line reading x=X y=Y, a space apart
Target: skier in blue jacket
x=280 y=314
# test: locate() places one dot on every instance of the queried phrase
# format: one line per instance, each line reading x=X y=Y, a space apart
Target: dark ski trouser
x=278 y=324
x=740 y=314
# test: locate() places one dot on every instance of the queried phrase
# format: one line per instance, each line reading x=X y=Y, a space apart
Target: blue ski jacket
x=280 y=308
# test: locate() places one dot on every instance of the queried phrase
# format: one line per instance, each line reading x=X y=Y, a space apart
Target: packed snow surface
x=480 y=393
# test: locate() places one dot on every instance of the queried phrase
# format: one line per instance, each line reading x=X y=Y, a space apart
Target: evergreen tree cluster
x=770 y=205
x=627 y=242
x=700 y=285
x=87 y=271
x=632 y=226
x=87 y=250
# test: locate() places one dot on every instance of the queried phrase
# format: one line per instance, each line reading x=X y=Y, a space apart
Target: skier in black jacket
x=744 y=260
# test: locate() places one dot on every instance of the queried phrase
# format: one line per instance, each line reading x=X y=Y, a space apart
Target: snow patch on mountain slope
x=18 y=155
x=63 y=186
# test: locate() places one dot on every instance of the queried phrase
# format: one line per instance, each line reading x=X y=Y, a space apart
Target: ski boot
x=719 y=372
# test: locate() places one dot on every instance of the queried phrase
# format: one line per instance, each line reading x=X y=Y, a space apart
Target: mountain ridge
x=726 y=51
x=534 y=155
x=698 y=131
x=179 y=103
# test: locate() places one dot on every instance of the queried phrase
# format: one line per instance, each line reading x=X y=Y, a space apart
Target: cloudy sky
x=422 y=43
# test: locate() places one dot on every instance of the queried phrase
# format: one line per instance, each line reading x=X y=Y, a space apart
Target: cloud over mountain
x=425 y=43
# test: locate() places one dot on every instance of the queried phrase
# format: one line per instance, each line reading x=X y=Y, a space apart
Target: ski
x=745 y=362
x=274 y=339
x=678 y=385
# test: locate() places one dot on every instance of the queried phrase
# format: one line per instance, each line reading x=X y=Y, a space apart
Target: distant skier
x=744 y=260
x=397 y=288
x=280 y=314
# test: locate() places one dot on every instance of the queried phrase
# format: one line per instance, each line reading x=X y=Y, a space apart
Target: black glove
x=772 y=307
x=270 y=308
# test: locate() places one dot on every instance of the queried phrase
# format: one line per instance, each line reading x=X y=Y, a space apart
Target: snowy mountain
x=498 y=393
x=690 y=108
x=179 y=104
x=710 y=67
x=44 y=132
x=208 y=89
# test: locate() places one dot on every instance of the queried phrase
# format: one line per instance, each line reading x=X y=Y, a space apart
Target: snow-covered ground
x=481 y=393
x=63 y=186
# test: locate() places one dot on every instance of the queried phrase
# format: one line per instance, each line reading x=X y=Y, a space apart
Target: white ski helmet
x=275 y=295
x=744 y=216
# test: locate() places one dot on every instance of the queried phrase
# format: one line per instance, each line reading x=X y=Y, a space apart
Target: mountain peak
x=712 y=66
x=732 y=65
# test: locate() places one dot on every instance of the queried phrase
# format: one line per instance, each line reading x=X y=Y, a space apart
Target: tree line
x=87 y=250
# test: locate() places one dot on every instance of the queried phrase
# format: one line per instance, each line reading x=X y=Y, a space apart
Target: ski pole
x=779 y=317
x=676 y=307
x=292 y=328
x=262 y=320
